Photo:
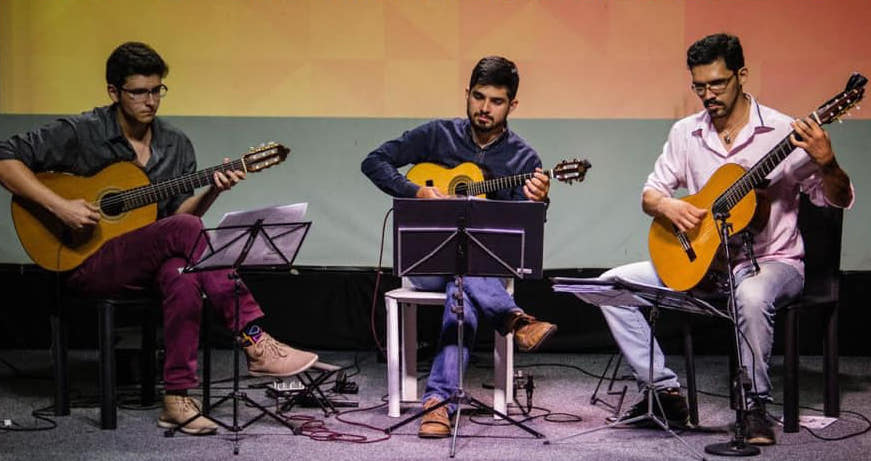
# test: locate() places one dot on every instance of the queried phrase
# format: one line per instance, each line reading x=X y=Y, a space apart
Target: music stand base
x=732 y=448
x=649 y=416
x=460 y=400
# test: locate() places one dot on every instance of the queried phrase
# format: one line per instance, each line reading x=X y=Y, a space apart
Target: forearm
x=836 y=184
x=199 y=204
x=21 y=181
x=386 y=177
x=651 y=202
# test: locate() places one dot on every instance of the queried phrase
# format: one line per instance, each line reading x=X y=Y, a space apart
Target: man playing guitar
x=484 y=139
x=733 y=128
x=150 y=257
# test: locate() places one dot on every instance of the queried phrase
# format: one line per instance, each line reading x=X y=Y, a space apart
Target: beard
x=484 y=123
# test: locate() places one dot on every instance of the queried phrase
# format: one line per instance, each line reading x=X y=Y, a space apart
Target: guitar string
x=152 y=192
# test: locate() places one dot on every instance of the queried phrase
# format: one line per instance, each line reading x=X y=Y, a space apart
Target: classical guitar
x=682 y=259
x=468 y=179
x=127 y=201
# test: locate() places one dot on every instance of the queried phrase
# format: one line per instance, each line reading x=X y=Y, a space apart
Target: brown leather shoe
x=529 y=332
x=269 y=357
x=435 y=424
x=180 y=408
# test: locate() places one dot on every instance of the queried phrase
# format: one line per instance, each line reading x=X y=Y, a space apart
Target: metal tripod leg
x=651 y=395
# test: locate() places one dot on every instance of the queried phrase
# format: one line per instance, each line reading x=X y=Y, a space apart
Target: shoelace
x=271 y=345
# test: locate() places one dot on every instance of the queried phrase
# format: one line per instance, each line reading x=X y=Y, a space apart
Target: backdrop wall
x=333 y=79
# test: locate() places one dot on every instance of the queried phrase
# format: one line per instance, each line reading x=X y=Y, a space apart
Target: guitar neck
x=754 y=176
x=505 y=182
x=153 y=193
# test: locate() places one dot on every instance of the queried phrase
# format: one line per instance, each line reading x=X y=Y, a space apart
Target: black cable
x=377 y=285
x=39 y=415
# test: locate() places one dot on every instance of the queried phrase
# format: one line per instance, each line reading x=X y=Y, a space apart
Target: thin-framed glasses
x=716 y=86
x=140 y=94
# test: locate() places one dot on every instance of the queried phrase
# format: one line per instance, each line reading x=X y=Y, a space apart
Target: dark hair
x=496 y=71
x=133 y=58
x=713 y=47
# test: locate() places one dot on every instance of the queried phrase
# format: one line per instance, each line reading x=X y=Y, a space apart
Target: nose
x=485 y=106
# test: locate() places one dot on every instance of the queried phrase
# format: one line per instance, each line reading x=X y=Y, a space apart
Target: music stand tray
x=266 y=239
x=621 y=292
x=460 y=237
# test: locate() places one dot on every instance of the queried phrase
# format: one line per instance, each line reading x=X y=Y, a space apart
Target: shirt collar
x=704 y=125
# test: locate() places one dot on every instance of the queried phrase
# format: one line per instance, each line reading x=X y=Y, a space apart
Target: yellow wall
x=412 y=58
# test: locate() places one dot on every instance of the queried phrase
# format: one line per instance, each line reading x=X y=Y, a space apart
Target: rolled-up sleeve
x=45 y=148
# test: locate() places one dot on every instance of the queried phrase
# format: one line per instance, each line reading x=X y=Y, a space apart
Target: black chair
x=821 y=228
x=149 y=305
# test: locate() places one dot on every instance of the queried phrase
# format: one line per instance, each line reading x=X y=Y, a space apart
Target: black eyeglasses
x=716 y=86
x=140 y=94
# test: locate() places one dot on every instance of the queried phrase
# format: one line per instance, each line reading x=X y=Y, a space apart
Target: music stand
x=259 y=239
x=620 y=292
x=467 y=236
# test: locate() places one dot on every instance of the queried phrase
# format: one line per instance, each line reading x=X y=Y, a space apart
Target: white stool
x=402 y=371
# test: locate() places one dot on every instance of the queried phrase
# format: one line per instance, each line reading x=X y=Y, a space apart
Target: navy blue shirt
x=449 y=143
x=85 y=144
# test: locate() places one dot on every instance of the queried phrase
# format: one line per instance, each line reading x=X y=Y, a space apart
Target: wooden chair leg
x=790 y=372
x=108 y=400
x=832 y=397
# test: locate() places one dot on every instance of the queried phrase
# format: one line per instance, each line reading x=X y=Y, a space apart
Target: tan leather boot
x=529 y=332
x=269 y=357
x=180 y=408
x=435 y=424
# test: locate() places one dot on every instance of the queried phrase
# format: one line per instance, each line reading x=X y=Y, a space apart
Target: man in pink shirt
x=733 y=128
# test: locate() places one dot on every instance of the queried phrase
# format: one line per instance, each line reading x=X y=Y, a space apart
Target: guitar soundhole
x=460 y=185
x=110 y=206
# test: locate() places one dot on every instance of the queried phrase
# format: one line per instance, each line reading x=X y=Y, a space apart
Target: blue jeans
x=486 y=295
x=757 y=298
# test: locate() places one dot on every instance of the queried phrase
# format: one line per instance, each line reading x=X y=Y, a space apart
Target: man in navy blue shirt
x=482 y=138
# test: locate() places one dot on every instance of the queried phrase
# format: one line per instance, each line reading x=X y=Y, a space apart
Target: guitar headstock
x=838 y=106
x=264 y=156
x=568 y=171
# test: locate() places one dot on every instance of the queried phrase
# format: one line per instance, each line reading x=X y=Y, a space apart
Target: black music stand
x=620 y=292
x=467 y=236
x=256 y=240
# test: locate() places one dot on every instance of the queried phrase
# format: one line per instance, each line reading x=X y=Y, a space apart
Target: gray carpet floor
x=564 y=384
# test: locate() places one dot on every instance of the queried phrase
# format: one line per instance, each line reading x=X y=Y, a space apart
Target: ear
x=513 y=105
x=743 y=74
x=113 y=93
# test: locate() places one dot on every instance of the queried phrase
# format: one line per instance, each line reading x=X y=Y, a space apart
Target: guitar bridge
x=685 y=243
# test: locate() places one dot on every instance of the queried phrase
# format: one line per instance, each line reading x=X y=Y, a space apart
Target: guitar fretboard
x=754 y=176
x=152 y=193
x=505 y=182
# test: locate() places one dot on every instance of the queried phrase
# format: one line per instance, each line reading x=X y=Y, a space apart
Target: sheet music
x=620 y=292
x=229 y=238
x=598 y=292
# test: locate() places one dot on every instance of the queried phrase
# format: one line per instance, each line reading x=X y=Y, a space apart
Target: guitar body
x=54 y=246
x=126 y=199
x=681 y=268
x=449 y=181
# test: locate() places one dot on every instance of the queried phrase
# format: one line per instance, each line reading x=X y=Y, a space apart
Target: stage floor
x=563 y=383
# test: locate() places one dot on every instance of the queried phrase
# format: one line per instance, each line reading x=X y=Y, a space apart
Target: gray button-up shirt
x=85 y=144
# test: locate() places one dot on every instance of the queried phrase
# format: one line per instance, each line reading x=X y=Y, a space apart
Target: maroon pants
x=152 y=258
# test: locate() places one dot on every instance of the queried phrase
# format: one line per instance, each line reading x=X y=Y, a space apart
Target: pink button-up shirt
x=693 y=152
